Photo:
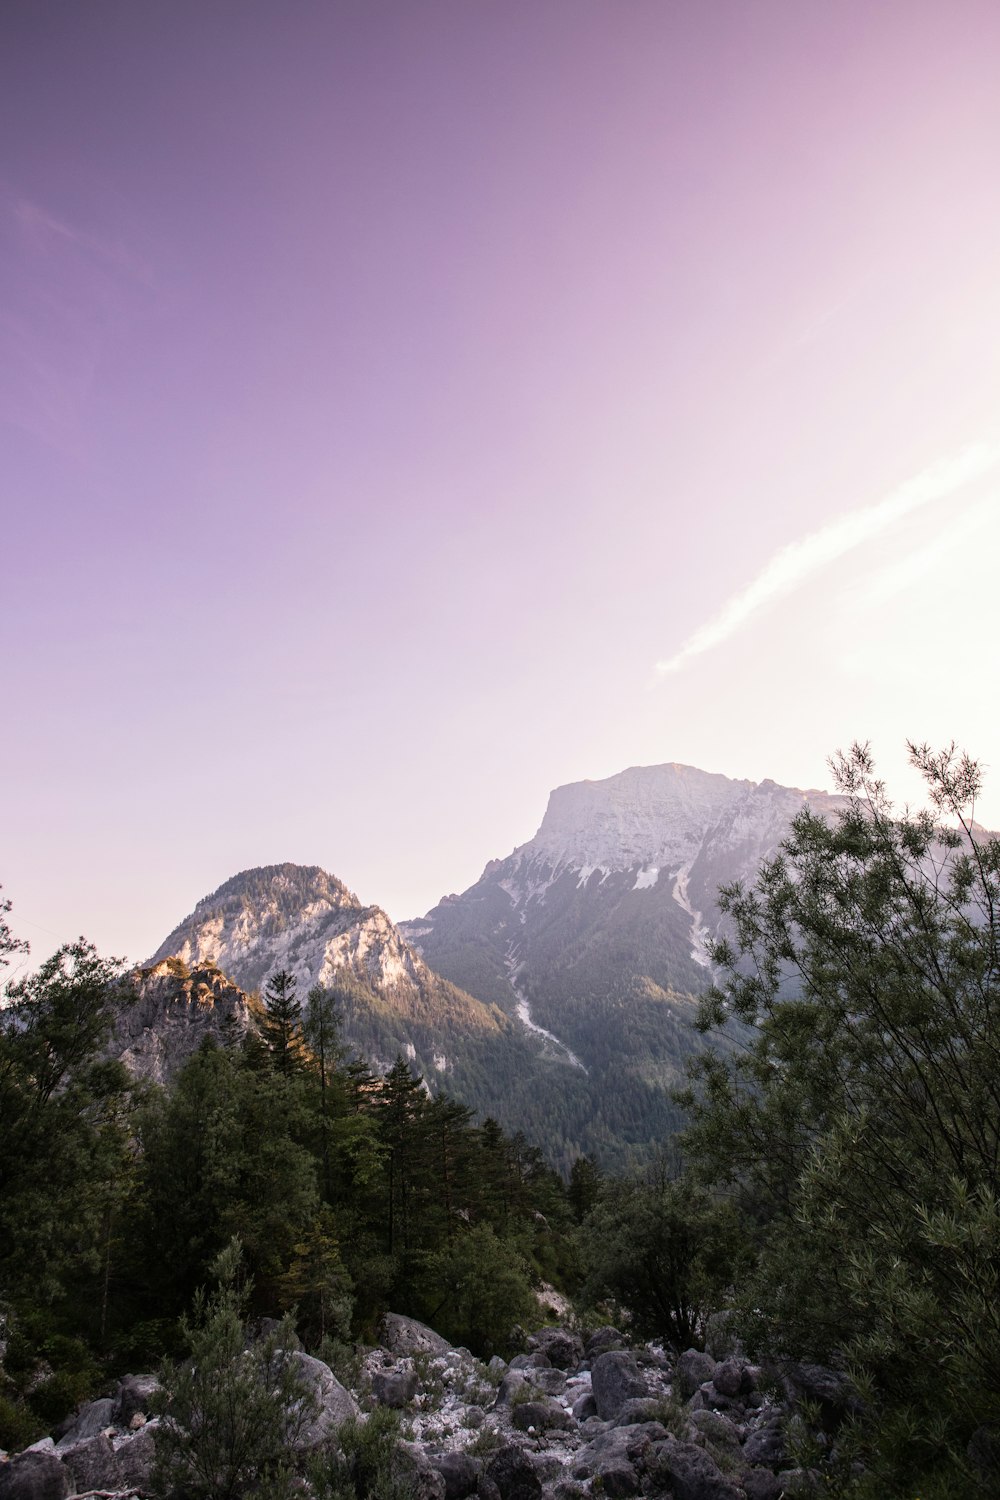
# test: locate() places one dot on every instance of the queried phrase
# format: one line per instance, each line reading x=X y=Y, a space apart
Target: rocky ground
x=565 y=1420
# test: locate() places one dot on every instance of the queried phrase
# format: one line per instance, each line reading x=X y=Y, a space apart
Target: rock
x=799 y=1482
x=136 y=1456
x=602 y=1341
x=691 y=1371
x=639 y=1409
x=761 y=1484
x=34 y=1476
x=613 y=1447
x=93 y=1463
x=766 y=1444
x=460 y=1472
x=830 y=1389
x=486 y=1489
x=717 y=1428
x=402 y=1336
x=512 y=1472
x=135 y=1393
x=584 y=1406
x=413 y=1473
x=616 y=1378
x=497 y=1365
x=540 y=1415
x=689 y=1473
x=552 y=1382
x=728 y=1380
x=563 y=1347
x=333 y=1404
x=537 y=1360
x=394 y=1387
x=513 y=1381
x=721 y=1340
x=88 y=1422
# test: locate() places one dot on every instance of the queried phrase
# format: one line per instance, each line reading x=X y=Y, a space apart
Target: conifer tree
x=282 y=1023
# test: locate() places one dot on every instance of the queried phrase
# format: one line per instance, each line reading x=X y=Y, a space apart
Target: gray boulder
x=638 y=1409
x=34 y=1476
x=689 y=1473
x=402 y=1336
x=93 y=1463
x=730 y=1378
x=512 y=1382
x=563 y=1347
x=460 y=1472
x=616 y=1378
x=328 y=1404
x=552 y=1382
x=394 y=1387
x=537 y=1360
x=413 y=1473
x=603 y=1340
x=136 y=1456
x=542 y=1416
x=88 y=1422
x=766 y=1444
x=717 y=1428
x=692 y=1369
x=135 y=1393
x=761 y=1484
x=512 y=1473
x=584 y=1406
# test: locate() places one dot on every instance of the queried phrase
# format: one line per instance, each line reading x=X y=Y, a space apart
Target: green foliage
x=281 y=1024
x=232 y=1412
x=862 y=1127
x=665 y=1252
x=365 y=1465
x=481 y=1287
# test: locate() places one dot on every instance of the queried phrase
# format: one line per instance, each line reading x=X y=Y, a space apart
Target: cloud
x=789 y=568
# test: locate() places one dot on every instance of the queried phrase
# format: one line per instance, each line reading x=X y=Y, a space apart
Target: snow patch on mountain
x=513 y=965
x=647 y=878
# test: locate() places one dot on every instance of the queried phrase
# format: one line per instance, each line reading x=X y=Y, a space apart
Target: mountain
x=595 y=932
x=559 y=992
x=303 y=920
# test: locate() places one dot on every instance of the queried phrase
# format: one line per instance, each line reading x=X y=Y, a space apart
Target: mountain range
x=557 y=993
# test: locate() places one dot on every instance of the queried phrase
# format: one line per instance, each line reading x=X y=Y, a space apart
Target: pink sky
x=391 y=391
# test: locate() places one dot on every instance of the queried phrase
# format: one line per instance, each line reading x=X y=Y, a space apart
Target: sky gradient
x=408 y=407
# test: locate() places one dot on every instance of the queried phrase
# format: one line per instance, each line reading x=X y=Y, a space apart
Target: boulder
x=136 y=1456
x=563 y=1347
x=542 y=1416
x=761 y=1484
x=331 y=1403
x=513 y=1381
x=766 y=1444
x=584 y=1406
x=537 y=1360
x=717 y=1428
x=616 y=1378
x=689 y=1473
x=93 y=1463
x=402 y=1336
x=512 y=1472
x=88 y=1422
x=460 y=1472
x=394 y=1387
x=552 y=1382
x=615 y=1448
x=638 y=1409
x=135 y=1393
x=34 y=1476
x=831 y=1390
x=603 y=1340
x=413 y=1474
x=691 y=1371
x=730 y=1379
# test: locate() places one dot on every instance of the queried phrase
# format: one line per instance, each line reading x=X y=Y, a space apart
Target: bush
x=231 y=1412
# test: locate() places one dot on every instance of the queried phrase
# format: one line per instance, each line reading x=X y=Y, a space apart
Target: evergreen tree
x=282 y=1023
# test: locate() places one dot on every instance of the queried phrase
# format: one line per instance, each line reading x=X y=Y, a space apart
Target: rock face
x=174 y=1010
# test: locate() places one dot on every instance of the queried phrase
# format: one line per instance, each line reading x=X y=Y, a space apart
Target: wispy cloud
x=789 y=568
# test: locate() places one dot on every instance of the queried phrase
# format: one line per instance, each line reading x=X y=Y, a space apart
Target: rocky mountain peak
x=653 y=815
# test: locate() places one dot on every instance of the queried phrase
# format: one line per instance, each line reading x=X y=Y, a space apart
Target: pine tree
x=282 y=1023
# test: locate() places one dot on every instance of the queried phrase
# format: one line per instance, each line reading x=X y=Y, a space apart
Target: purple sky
x=408 y=407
